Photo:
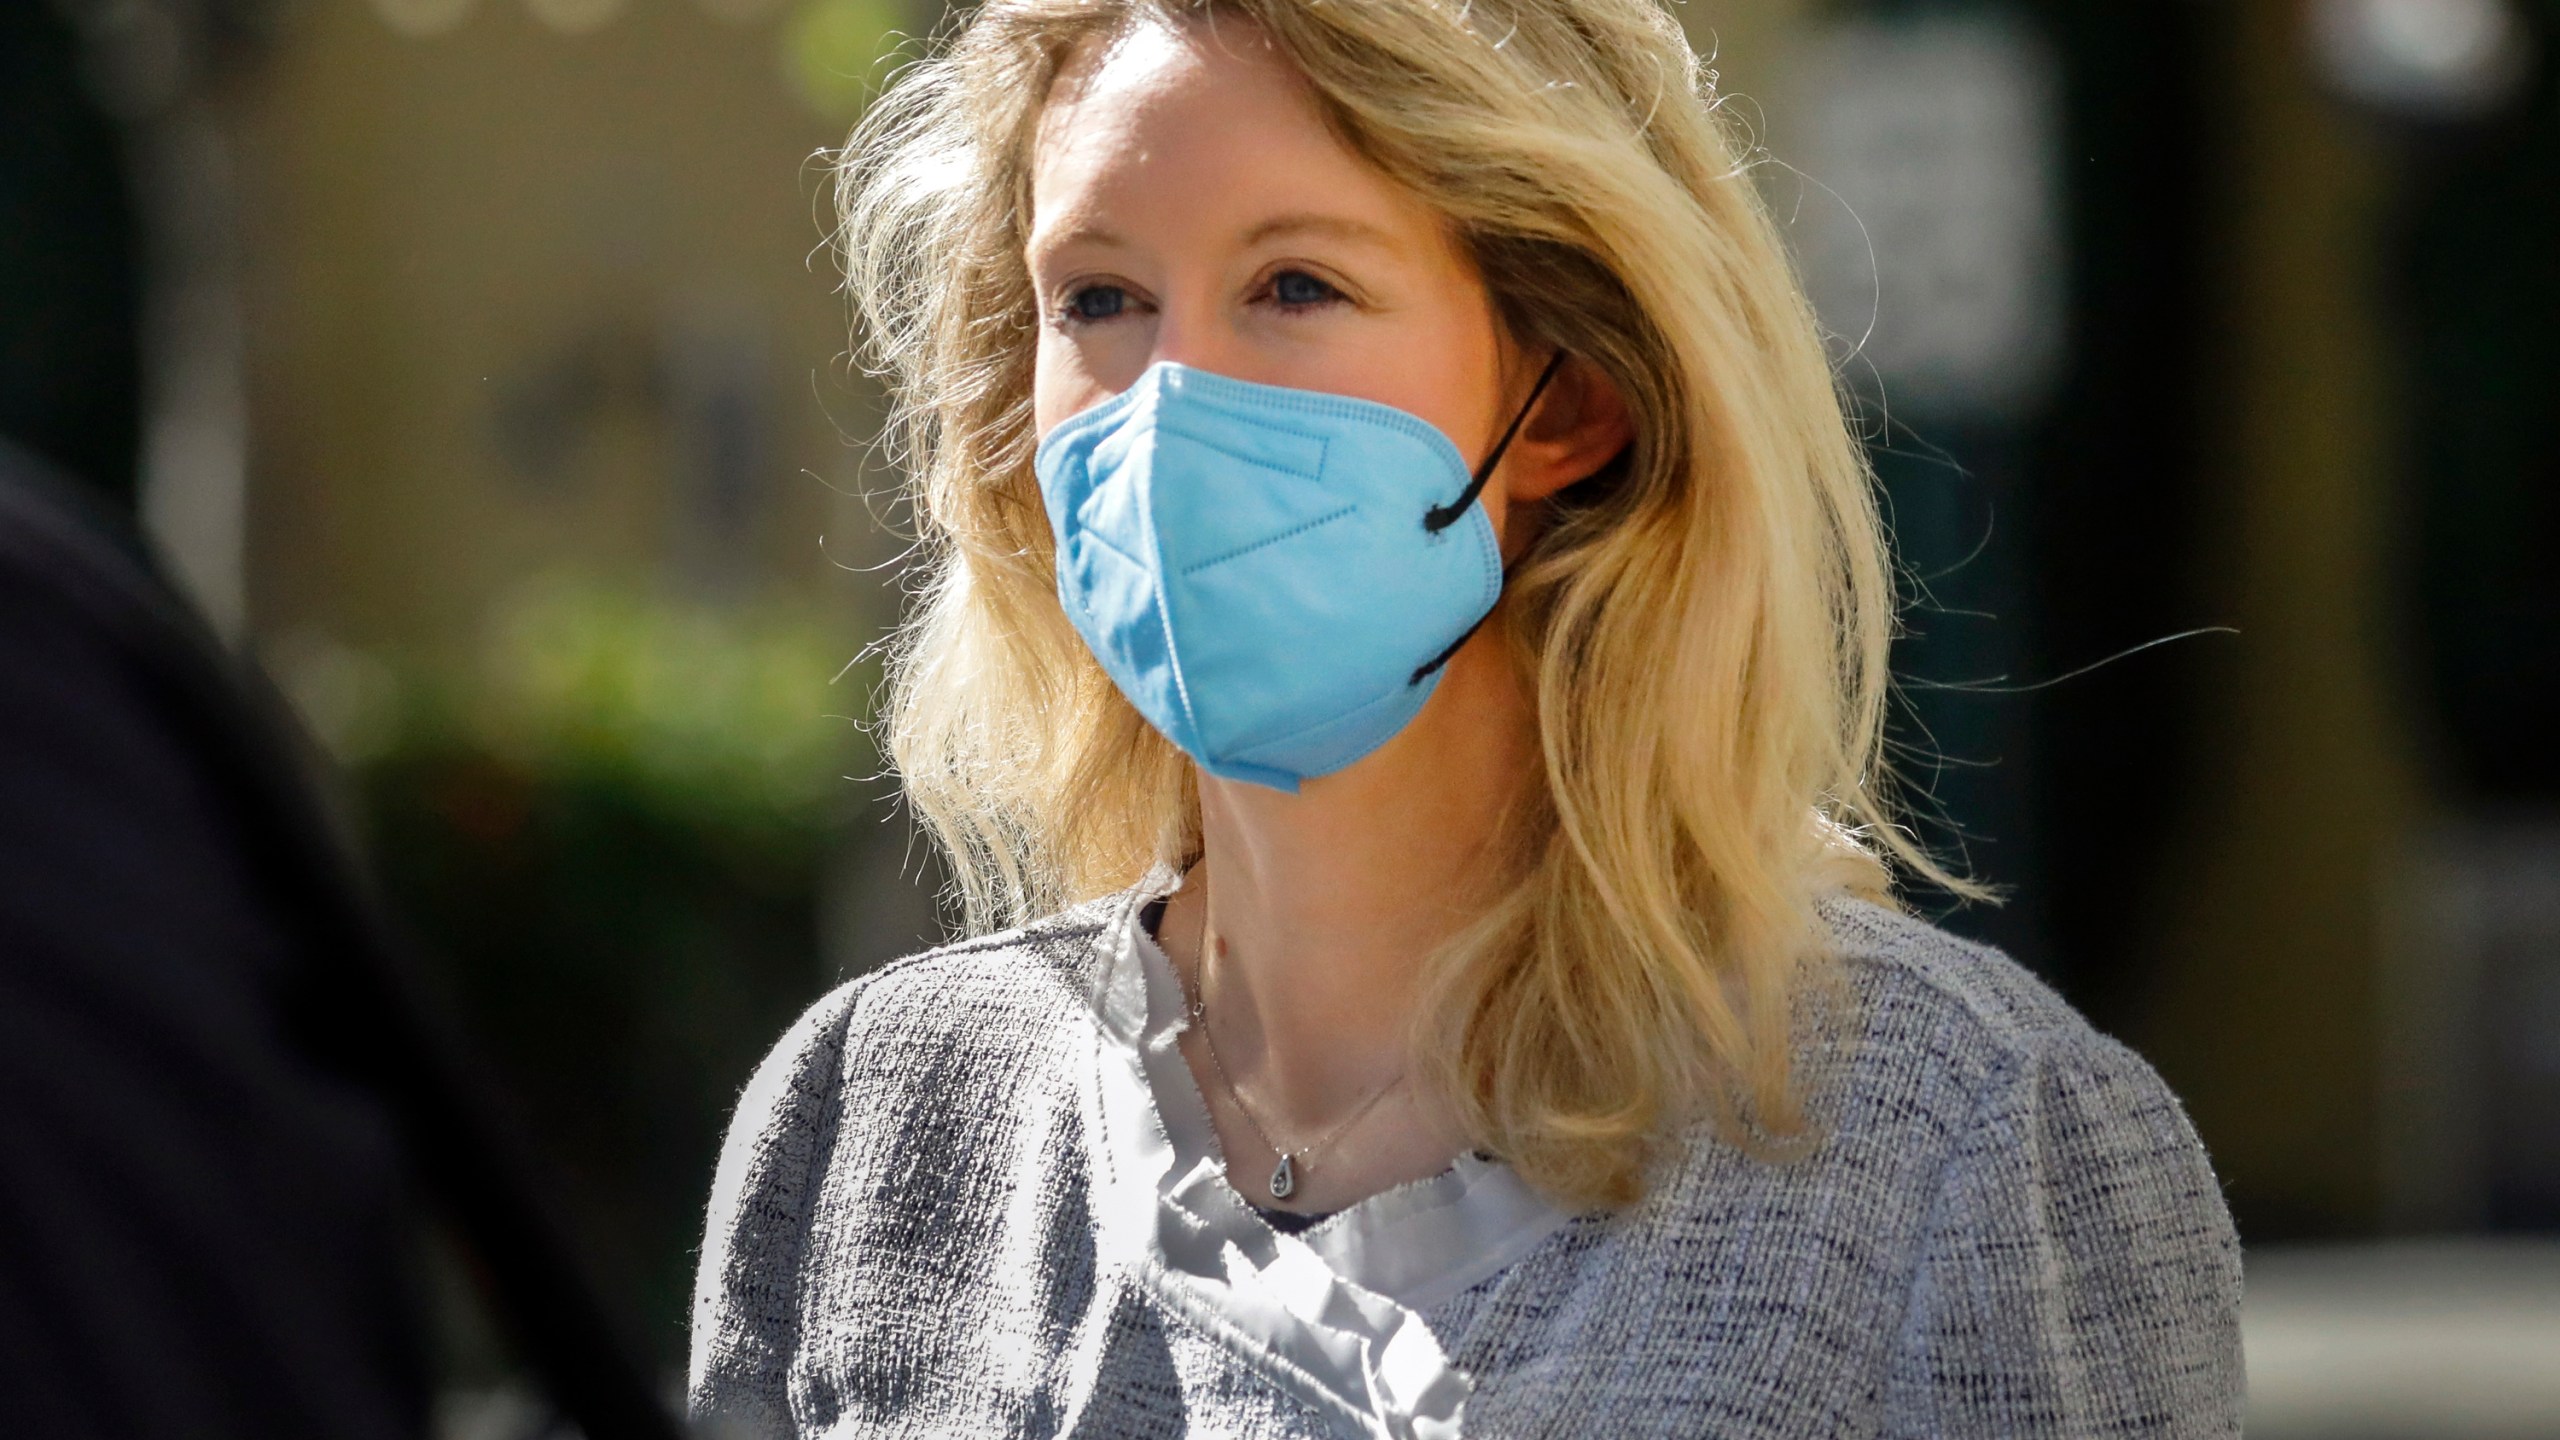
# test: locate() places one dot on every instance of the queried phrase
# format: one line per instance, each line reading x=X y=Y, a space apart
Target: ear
x=1579 y=425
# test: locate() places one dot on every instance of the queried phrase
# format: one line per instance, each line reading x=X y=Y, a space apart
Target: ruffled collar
x=1333 y=1315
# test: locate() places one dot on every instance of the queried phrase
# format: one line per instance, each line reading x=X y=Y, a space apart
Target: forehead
x=1192 y=124
x=1110 y=84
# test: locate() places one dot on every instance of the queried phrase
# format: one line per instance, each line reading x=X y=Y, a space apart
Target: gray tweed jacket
x=975 y=1193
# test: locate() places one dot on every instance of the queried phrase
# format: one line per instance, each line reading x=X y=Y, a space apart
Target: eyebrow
x=1041 y=241
x=1340 y=227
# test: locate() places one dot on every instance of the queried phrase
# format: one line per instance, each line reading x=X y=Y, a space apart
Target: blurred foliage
x=614 y=824
x=833 y=49
x=713 y=717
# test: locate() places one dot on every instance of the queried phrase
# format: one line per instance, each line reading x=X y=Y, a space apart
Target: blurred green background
x=615 y=822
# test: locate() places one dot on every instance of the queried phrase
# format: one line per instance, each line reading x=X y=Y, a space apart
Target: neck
x=1325 y=902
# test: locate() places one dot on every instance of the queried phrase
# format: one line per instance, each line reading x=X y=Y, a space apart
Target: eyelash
x=1332 y=292
x=1065 y=312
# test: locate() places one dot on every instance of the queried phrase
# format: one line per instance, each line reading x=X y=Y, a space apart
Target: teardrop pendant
x=1284 y=1178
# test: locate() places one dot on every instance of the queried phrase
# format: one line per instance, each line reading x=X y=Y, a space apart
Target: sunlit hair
x=1704 y=624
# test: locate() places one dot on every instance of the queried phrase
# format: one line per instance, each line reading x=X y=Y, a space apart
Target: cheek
x=1071 y=373
x=1060 y=384
x=1455 y=382
x=1454 y=376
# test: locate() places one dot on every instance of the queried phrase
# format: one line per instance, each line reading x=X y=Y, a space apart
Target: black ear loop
x=1441 y=517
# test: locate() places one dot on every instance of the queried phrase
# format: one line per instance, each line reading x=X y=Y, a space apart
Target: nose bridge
x=1188 y=347
x=1192 y=329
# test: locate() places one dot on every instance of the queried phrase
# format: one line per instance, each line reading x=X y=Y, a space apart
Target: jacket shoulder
x=986 y=997
x=1905 y=974
x=1033 y=967
x=867 y=1076
x=1941 y=1046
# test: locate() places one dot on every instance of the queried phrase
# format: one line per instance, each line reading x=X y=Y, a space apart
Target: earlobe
x=1582 y=423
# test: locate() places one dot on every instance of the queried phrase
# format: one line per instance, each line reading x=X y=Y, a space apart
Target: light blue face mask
x=1274 y=577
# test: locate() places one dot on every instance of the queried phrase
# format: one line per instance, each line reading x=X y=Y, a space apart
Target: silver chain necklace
x=1284 y=1176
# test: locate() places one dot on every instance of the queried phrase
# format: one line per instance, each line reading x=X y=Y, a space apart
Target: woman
x=1407 y=613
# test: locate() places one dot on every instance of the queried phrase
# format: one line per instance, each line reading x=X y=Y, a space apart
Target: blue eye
x=1295 y=288
x=1096 y=302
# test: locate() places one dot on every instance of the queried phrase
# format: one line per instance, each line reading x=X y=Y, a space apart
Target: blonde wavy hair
x=1703 y=625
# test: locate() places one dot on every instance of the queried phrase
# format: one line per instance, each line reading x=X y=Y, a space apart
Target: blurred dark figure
x=222 y=1097
x=203 y=1230
x=205 y=1225
x=224 y=1106
x=70 y=260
